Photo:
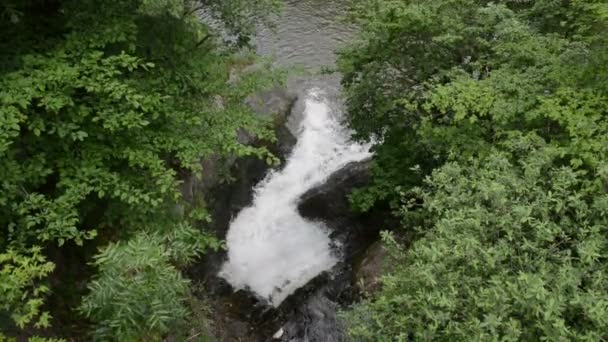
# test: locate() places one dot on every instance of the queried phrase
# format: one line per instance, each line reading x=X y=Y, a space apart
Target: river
x=306 y=34
x=272 y=250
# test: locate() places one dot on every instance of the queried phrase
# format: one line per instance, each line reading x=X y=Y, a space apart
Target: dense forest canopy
x=104 y=105
x=490 y=129
x=493 y=122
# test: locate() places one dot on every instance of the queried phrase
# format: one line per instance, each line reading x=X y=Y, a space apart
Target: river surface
x=307 y=34
x=272 y=250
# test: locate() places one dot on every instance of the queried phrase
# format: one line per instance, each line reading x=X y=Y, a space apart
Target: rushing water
x=272 y=250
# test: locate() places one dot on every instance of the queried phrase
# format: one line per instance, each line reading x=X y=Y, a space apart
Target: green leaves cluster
x=491 y=60
x=139 y=294
x=493 y=118
x=512 y=252
x=21 y=294
x=103 y=106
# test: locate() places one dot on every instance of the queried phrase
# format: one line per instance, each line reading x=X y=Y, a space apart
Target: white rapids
x=272 y=250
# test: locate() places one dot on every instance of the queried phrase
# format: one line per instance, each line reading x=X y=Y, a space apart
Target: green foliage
x=138 y=294
x=20 y=292
x=512 y=252
x=493 y=124
x=185 y=242
x=487 y=59
x=104 y=105
x=31 y=339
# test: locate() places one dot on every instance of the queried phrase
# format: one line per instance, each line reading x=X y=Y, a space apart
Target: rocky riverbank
x=311 y=313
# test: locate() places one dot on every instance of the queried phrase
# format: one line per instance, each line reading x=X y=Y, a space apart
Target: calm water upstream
x=307 y=33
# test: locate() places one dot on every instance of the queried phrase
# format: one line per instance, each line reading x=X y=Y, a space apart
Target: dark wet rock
x=315 y=320
x=311 y=313
x=227 y=199
x=194 y=188
x=285 y=142
x=329 y=201
x=301 y=295
x=296 y=116
x=275 y=105
x=239 y=315
x=370 y=267
x=224 y=201
x=226 y=328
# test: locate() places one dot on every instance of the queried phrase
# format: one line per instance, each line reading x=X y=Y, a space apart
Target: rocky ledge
x=329 y=201
x=356 y=233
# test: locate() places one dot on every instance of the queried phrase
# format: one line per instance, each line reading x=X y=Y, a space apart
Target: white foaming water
x=272 y=250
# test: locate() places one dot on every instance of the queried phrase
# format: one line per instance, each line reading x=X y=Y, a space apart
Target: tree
x=102 y=105
x=508 y=252
x=21 y=295
x=139 y=294
x=411 y=48
x=493 y=120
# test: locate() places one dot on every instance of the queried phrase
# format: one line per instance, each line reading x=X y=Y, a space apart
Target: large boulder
x=275 y=105
x=357 y=233
x=329 y=201
x=369 y=268
x=316 y=319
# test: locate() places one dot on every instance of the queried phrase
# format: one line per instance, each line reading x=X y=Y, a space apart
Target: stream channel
x=284 y=277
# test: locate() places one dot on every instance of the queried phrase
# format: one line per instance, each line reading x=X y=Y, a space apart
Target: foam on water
x=272 y=250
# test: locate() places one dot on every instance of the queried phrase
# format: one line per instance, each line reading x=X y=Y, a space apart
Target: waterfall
x=272 y=250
